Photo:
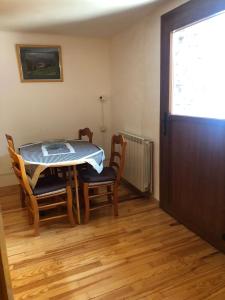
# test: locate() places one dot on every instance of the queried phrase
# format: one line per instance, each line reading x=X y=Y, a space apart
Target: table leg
x=76 y=204
x=76 y=193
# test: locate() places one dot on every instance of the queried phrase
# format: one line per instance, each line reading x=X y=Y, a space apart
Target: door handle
x=165 y=123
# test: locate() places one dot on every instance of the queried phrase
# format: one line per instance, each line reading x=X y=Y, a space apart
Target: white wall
x=135 y=59
x=37 y=111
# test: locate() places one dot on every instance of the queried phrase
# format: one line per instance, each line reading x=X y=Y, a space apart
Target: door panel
x=192 y=149
x=197 y=169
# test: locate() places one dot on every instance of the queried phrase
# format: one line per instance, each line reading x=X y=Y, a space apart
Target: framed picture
x=39 y=63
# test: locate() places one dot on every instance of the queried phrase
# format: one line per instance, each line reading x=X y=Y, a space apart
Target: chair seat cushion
x=82 y=166
x=49 y=184
x=90 y=175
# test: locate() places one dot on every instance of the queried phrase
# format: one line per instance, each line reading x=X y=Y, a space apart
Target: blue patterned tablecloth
x=61 y=153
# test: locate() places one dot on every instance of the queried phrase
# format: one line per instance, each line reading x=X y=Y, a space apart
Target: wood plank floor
x=142 y=254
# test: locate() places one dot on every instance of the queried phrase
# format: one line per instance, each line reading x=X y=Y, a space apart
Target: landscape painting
x=39 y=63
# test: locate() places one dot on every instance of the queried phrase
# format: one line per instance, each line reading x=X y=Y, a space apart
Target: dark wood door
x=192 y=149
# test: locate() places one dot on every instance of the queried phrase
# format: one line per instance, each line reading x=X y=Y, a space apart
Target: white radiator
x=138 y=169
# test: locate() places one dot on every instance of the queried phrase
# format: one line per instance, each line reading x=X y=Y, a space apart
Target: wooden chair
x=85 y=132
x=11 y=144
x=89 y=134
x=49 y=193
x=10 y=141
x=109 y=178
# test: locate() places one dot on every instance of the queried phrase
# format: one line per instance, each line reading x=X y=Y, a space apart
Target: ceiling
x=98 y=18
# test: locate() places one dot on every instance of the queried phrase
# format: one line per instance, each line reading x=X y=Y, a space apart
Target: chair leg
x=30 y=217
x=109 y=190
x=115 y=199
x=86 y=203
x=36 y=215
x=70 y=206
x=22 y=197
x=36 y=224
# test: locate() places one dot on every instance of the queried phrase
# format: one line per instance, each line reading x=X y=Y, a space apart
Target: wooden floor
x=142 y=254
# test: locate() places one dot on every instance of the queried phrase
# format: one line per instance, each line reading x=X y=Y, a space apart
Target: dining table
x=59 y=153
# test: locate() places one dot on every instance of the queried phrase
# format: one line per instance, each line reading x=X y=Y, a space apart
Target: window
x=198 y=69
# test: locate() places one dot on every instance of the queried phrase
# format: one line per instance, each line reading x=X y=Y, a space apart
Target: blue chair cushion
x=82 y=166
x=49 y=184
x=91 y=175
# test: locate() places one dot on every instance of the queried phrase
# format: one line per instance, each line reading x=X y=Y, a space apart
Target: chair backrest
x=117 y=158
x=85 y=132
x=19 y=170
x=10 y=141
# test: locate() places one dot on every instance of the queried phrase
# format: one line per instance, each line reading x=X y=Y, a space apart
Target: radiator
x=138 y=169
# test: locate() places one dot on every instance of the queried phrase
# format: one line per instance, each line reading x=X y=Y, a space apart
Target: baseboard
x=135 y=190
x=7 y=179
x=9 y=190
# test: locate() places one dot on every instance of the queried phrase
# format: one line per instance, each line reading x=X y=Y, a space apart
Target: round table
x=58 y=153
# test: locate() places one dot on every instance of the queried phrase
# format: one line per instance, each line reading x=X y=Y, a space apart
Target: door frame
x=6 y=292
x=188 y=13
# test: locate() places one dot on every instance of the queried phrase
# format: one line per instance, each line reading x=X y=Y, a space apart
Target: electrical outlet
x=102 y=99
x=102 y=128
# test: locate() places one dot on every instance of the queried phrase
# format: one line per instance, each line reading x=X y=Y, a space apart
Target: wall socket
x=103 y=128
x=102 y=99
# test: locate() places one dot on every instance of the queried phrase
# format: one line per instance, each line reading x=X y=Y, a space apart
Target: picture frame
x=39 y=63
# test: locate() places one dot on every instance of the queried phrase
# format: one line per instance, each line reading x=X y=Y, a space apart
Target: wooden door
x=192 y=148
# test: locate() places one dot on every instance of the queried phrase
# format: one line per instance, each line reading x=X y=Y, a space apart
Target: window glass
x=198 y=69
